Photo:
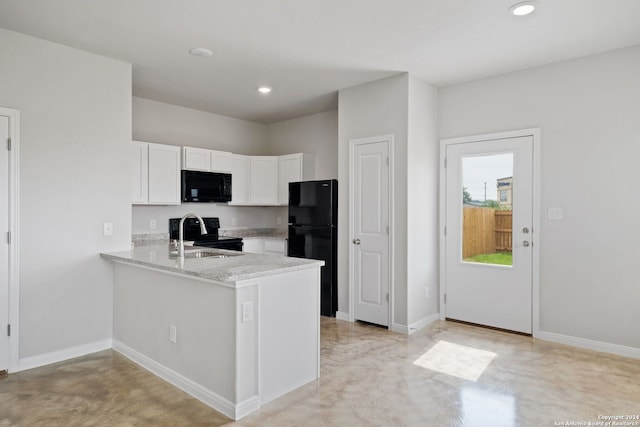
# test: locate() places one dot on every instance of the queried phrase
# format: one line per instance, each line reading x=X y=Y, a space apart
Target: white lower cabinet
x=156 y=174
x=260 y=245
x=253 y=245
x=275 y=247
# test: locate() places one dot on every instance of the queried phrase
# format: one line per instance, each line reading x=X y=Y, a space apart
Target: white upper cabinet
x=156 y=174
x=164 y=174
x=221 y=161
x=263 y=187
x=197 y=159
x=140 y=172
x=239 y=179
x=201 y=159
x=293 y=168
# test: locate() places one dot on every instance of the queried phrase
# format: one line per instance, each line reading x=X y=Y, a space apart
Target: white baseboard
x=341 y=315
x=415 y=326
x=62 y=355
x=401 y=329
x=605 y=347
x=190 y=387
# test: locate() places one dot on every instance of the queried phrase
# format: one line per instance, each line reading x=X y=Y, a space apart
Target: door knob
x=525 y=230
x=356 y=241
x=525 y=244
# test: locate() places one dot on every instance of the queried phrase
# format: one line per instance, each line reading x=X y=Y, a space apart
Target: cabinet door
x=196 y=159
x=239 y=179
x=293 y=168
x=253 y=245
x=264 y=180
x=275 y=247
x=140 y=170
x=220 y=161
x=289 y=170
x=164 y=174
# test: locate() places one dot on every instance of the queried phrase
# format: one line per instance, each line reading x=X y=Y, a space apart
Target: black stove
x=209 y=240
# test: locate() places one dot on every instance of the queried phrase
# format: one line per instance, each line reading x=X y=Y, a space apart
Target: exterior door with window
x=489 y=232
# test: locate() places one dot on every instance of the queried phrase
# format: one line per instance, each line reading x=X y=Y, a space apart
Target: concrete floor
x=447 y=374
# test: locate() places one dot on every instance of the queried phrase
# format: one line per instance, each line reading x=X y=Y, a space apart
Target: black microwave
x=204 y=187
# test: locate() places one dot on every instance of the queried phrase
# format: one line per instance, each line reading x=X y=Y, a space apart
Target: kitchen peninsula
x=235 y=331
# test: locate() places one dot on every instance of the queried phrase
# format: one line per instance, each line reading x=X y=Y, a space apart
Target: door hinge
x=387 y=161
x=9 y=330
x=445 y=162
x=445 y=298
x=9 y=144
x=387 y=297
x=445 y=230
x=387 y=230
x=8 y=237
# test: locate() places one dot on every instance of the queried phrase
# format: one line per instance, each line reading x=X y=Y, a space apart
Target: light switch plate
x=247 y=311
x=555 y=214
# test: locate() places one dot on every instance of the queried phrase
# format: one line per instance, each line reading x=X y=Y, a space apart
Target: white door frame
x=535 y=268
x=14 y=248
x=352 y=143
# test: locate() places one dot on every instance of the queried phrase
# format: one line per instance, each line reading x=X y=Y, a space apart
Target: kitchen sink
x=204 y=253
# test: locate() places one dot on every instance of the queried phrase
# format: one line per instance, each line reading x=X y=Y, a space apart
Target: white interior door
x=4 y=247
x=369 y=203
x=488 y=261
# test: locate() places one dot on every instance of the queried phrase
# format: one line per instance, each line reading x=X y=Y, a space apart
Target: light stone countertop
x=227 y=271
x=257 y=233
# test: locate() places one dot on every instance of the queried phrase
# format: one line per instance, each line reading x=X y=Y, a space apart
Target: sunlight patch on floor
x=457 y=360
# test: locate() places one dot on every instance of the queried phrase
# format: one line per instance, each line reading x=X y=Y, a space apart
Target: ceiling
x=307 y=50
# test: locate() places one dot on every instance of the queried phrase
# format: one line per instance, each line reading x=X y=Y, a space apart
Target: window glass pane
x=487 y=195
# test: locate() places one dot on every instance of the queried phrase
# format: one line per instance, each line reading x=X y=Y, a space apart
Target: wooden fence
x=485 y=231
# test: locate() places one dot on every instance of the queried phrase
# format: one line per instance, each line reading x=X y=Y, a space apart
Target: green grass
x=501 y=258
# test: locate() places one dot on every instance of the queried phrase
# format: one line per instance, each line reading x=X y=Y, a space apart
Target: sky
x=480 y=169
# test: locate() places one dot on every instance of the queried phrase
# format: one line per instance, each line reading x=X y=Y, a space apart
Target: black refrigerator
x=313 y=233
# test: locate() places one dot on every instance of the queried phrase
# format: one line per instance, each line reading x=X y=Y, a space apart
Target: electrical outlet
x=173 y=333
x=234 y=221
x=107 y=229
x=247 y=311
x=152 y=224
x=279 y=220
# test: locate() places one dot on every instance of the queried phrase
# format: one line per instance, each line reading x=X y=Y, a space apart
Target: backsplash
x=231 y=217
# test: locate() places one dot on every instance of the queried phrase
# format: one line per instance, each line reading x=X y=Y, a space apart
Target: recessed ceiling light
x=264 y=90
x=522 y=9
x=200 y=51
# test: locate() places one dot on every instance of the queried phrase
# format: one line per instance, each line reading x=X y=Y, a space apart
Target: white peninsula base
x=232 y=345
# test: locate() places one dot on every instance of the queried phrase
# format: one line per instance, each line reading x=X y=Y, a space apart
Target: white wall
x=75 y=135
x=367 y=110
x=588 y=110
x=316 y=134
x=174 y=125
x=422 y=207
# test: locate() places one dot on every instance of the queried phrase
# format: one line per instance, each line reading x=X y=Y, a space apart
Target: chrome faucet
x=203 y=230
